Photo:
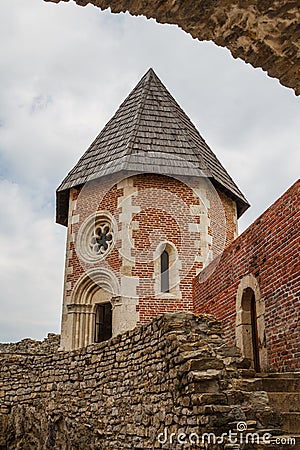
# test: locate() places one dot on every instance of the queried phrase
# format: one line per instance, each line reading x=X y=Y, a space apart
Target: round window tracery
x=101 y=239
x=95 y=237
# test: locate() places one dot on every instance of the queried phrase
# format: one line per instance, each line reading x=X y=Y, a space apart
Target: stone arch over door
x=250 y=323
x=93 y=288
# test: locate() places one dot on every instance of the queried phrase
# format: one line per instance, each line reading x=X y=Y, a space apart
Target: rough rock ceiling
x=264 y=33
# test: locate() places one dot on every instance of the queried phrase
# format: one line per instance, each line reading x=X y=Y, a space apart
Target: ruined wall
x=173 y=373
x=268 y=251
x=263 y=33
x=30 y=346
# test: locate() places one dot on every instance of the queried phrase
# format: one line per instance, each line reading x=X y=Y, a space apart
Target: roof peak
x=151 y=75
x=149 y=72
x=149 y=133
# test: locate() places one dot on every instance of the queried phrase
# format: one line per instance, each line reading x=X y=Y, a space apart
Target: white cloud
x=64 y=71
x=31 y=265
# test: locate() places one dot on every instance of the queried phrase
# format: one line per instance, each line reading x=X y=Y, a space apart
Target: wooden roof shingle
x=149 y=133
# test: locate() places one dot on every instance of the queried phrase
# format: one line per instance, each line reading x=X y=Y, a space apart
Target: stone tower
x=146 y=207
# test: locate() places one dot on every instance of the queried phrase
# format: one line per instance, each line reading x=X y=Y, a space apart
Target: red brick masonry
x=269 y=250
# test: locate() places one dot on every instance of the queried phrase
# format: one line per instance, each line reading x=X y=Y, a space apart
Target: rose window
x=101 y=239
x=95 y=237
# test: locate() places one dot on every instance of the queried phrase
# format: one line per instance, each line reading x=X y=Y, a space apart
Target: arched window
x=103 y=322
x=164 y=271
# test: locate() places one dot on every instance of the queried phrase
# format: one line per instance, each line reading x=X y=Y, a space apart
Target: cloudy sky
x=64 y=71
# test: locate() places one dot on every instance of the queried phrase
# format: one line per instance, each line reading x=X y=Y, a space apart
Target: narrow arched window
x=164 y=271
x=103 y=322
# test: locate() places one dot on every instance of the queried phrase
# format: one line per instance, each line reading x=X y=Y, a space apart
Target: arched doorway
x=250 y=323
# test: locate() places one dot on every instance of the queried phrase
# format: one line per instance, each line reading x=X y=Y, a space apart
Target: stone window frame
x=249 y=281
x=85 y=232
x=174 y=267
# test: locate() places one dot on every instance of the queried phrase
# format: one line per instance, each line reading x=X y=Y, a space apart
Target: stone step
x=204 y=363
x=272 y=431
x=278 y=375
x=291 y=422
x=247 y=373
x=202 y=381
x=209 y=399
x=268 y=384
x=281 y=384
x=285 y=401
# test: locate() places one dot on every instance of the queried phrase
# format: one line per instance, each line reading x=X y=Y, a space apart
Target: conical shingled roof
x=149 y=133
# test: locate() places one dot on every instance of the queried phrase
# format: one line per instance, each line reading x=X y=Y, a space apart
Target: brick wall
x=164 y=217
x=268 y=250
x=159 y=209
x=83 y=202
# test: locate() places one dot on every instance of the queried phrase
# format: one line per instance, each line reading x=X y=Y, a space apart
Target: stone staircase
x=225 y=392
x=264 y=403
x=283 y=392
x=284 y=396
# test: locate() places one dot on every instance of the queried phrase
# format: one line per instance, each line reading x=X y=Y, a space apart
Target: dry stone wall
x=172 y=374
x=30 y=346
x=264 y=33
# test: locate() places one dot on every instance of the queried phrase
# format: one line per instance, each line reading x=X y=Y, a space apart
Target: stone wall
x=30 y=346
x=261 y=32
x=174 y=373
x=264 y=258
